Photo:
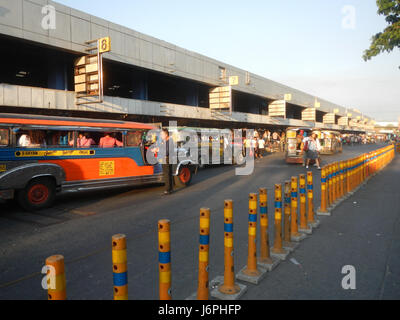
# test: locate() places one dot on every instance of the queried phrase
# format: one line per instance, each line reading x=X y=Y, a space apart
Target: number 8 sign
x=104 y=45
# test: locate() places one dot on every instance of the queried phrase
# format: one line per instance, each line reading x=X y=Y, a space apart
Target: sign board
x=329 y=118
x=309 y=114
x=277 y=109
x=288 y=97
x=221 y=98
x=233 y=81
x=104 y=45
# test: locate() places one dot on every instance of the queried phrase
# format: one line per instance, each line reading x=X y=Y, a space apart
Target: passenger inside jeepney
x=4 y=138
x=32 y=139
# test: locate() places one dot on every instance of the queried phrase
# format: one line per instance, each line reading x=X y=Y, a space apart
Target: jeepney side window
x=134 y=138
x=4 y=138
x=31 y=139
x=60 y=139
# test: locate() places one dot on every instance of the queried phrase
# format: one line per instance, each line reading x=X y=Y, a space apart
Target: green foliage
x=389 y=39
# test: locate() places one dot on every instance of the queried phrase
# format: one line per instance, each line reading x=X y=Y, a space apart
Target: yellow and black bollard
x=226 y=288
x=265 y=260
x=287 y=243
x=204 y=248
x=277 y=250
x=251 y=272
x=310 y=202
x=120 y=267
x=304 y=227
x=295 y=235
x=56 y=284
x=323 y=209
x=164 y=259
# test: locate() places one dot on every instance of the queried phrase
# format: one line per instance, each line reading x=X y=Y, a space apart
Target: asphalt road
x=80 y=227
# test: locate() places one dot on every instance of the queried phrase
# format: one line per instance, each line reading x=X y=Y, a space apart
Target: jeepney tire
x=184 y=177
x=38 y=194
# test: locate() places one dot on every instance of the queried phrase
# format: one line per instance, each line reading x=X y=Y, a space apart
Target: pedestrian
x=304 y=146
x=261 y=147
x=283 y=141
x=165 y=149
x=312 y=148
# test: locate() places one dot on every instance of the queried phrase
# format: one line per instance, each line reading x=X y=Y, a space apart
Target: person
x=261 y=148
x=83 y=141
x=313 y=148
x=25 y=140
x=109 y=142
x=32 y=139
x=164 y=149
x=283 y=141
x=304 y=146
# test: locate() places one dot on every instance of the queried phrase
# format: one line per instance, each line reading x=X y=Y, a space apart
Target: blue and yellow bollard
x=120 y=267
x=204 y=247
x=164 y=259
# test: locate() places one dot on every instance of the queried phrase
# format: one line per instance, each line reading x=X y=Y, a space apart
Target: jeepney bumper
x=6 y=194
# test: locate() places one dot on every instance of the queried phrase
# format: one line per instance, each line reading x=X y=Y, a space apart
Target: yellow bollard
x=323 y=209
x=295 y=235
x=341 y=178
x=251 y=273
x=277 y=251
x=304 y=227
x=204 y=247
x=265 y=260
x=120 y=267
x=226 y=288
x=164 y=259
x=330 y=185
x=310 y=202
x=56 y=284
x=287 y=243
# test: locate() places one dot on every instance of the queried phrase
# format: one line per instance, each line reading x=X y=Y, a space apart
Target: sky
x=312 y=45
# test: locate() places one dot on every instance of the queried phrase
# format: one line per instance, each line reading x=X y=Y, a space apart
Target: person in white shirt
x=313 y=148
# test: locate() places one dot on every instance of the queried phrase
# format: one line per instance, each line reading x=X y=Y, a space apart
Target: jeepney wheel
x=38 y=194
x=184 y=177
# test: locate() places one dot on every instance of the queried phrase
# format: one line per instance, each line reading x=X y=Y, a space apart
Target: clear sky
x=312 y=45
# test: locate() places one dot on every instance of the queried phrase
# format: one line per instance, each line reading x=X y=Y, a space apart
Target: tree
x=389 y=39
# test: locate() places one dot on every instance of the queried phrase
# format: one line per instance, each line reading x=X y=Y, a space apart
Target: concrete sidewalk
x=364 y=232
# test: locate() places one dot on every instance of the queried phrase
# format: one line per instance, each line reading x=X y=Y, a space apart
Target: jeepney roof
x=54 y=121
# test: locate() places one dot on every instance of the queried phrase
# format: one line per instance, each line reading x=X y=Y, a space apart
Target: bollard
x=337 y=168
x=323 y=209
x=345 y=179
x=287 y=243
x=334 y=183
x=310 y=202
x=204 y=247
x=251 y=273
x=348 y=175
x=330 y=188
x=341 y=180
x=56 y=284
x=265 y=260
x=226 y=288
x=294 y=234
x=304 y=227
x=120 y=267
x=277 y=251
x=164 y=259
